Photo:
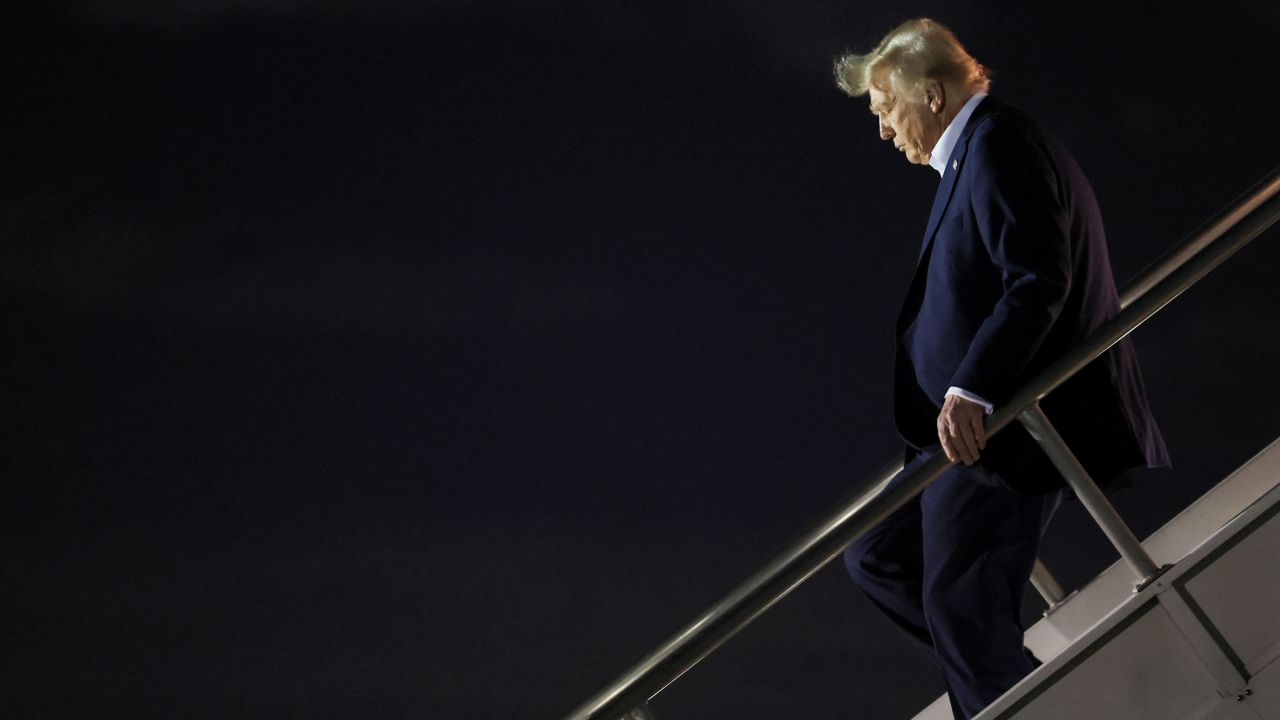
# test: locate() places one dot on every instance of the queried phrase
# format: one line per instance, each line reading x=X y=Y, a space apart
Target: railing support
x=1047 y=585
x=1033 y=418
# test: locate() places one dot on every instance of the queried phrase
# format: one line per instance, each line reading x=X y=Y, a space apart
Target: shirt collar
x=942 y=151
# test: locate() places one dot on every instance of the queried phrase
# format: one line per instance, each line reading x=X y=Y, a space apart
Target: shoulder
x=999 y=122
x=1010 y=142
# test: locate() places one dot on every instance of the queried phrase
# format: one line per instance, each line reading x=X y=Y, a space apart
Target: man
x=1013 y=272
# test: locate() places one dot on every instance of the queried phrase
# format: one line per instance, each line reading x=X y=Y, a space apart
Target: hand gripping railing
x=627 y=697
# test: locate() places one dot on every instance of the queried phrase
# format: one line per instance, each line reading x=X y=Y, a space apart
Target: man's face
x=910 y=124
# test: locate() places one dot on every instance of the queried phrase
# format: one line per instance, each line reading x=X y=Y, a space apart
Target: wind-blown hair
x=914 y=53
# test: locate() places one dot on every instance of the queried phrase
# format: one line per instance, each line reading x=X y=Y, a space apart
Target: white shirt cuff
x=970 y=397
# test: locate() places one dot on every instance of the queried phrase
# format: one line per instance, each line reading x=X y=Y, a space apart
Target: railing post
x=1047 y=585
x=1033 y=418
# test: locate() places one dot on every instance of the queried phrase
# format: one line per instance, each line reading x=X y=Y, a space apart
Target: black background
x=439 y=359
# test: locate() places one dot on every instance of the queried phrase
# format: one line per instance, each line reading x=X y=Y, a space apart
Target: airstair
x=1199 y=642
x=1186 y=626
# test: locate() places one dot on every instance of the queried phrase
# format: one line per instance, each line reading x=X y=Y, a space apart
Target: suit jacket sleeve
x=1025 y=229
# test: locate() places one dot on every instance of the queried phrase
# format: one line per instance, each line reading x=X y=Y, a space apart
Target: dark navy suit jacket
x=1013 y=272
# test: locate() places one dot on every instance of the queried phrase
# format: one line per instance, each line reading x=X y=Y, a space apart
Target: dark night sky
x=439 y=359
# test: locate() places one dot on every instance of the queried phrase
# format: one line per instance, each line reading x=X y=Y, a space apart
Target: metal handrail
x=1211 y=244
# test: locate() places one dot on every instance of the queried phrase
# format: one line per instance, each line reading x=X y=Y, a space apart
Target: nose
x=886 y=132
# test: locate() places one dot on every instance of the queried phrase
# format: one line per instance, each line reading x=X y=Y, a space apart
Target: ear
x=936 y=96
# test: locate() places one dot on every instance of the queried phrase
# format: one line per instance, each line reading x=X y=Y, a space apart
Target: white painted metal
x=1228 y=709
x=1240 y=594
x=1047 y=585
x=1146 y=671
x=1265 y=687
x=1217 y=660
x=1108 y=644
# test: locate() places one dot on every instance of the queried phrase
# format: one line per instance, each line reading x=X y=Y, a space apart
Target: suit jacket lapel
x=941 y=200
x=955 y=166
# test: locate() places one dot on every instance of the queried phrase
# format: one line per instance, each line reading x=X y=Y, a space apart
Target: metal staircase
x=1200 y=642
x=1185 y=626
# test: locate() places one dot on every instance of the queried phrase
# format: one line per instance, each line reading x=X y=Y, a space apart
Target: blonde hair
x=915 y=52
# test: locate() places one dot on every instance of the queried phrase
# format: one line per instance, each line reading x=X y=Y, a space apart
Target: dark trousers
x=950 y=568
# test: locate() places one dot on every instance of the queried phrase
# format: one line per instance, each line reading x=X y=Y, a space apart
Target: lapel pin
x=955 y=164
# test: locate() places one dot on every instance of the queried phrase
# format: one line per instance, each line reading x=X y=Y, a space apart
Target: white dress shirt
x=947 y=143
x=938 y=160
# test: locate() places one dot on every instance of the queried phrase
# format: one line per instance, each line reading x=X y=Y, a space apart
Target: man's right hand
x=960 y=429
